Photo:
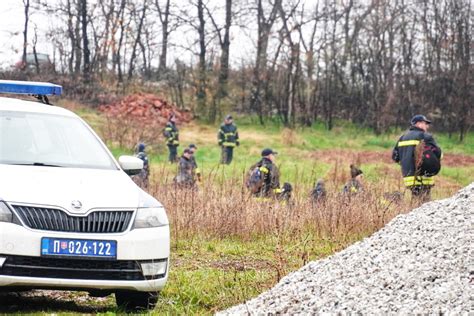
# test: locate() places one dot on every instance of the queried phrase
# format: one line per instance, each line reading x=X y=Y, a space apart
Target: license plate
x=78 y=247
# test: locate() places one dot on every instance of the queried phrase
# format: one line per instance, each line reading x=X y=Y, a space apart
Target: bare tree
x=86 y=68
x=163 y=15
x=137 y=40
x=107 y=9
x=26 y=5
x=286 y=102
x=264 y=25
x=117 y=55
x=307 y=98
x=201 y=94
x=35 y=53
x=224 y=42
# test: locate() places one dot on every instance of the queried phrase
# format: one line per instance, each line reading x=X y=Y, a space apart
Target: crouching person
x=356 y=183
x=263 y=180
x=318 y=194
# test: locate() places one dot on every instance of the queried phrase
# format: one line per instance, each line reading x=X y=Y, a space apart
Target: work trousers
x=227 y=155
x=173 y=149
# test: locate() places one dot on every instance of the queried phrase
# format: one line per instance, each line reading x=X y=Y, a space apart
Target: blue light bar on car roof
x=29 y=87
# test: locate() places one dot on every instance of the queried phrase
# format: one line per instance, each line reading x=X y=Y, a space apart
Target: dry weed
x=289 y=137
x=224 y=208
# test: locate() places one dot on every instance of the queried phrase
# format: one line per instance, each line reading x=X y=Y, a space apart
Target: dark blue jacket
x=404 y=153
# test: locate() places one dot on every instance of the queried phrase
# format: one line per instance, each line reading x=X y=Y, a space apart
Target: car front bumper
x=133 y=247
x=14 y=282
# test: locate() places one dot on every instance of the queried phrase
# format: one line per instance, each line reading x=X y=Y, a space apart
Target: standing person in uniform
x=419 y=157
x=185 y=177
x=228 y=138
x=196 y=169
x=171 y=134
x=142 y=179
x=264 y=178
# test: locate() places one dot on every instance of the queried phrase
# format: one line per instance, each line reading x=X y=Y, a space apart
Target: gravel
x=420 y=262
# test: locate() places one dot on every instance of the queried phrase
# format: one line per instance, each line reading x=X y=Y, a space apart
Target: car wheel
x=132 y=301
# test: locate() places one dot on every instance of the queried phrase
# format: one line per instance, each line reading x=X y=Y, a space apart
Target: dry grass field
x=227 y=246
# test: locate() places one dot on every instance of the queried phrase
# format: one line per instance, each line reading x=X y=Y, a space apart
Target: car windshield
x=50 y=140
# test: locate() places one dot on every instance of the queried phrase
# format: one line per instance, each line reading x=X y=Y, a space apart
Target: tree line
x=375 y=63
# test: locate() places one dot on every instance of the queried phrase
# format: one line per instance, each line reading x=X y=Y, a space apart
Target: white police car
x=70 y=216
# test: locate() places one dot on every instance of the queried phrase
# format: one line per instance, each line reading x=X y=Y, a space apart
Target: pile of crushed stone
x=421 y=262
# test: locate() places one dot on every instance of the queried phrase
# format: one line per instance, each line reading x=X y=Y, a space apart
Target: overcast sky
x=12 y=22
x=11 y=28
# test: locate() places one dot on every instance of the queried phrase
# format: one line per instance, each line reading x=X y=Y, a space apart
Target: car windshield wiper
x=40 y=164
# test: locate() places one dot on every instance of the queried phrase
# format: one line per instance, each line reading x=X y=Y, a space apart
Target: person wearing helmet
x=228 y=138
x=419 y=157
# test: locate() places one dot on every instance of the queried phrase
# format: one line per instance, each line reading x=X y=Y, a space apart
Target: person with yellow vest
x=228 y=138
x=171 y=134
x=419 y=157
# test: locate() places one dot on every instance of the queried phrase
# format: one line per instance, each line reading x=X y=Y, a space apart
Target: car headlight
x=5 y=214
x=150 y=217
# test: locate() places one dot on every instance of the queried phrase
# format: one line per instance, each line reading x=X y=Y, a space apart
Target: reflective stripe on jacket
x=418 y=180
x=171 y=134
x=228 y=135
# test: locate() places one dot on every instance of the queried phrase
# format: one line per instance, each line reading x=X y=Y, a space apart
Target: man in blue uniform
x=228 y=138
x=419 y=157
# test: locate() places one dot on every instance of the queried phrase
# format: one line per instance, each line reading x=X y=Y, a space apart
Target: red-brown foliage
x=139 y=117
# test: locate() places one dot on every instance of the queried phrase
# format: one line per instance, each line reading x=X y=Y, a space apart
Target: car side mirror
x=131 y=165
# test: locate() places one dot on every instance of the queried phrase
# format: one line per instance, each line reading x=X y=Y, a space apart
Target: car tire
x=132 y=301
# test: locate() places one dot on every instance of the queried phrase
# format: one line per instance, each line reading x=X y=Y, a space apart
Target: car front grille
x=82 y=269
x=56 y=220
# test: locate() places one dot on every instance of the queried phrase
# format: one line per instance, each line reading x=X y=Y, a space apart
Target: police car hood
x=56 y=186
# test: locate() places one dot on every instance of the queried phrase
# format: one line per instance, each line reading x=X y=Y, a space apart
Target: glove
x=237 y=143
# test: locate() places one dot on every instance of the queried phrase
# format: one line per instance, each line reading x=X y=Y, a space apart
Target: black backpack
x=255 y=178
x=427 y=162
